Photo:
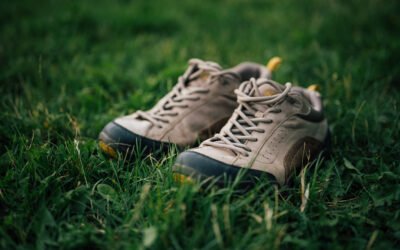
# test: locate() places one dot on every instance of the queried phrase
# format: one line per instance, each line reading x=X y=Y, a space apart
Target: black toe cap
x=123 y=140
x=196 y=165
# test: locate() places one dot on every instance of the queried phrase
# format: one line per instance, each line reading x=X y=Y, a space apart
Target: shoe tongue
x=264 y=88
x=199 y=77
x=200 y=80
x=268 y=89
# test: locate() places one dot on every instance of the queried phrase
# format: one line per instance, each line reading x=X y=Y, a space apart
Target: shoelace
x=176 y=96
x=247 y=119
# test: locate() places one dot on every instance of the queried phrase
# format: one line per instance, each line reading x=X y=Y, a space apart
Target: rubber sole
x=108 y=150
x=190 y=166
x=115 y=139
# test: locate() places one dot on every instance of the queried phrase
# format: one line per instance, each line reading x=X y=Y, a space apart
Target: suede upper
x=277 y=145
x=197 y=107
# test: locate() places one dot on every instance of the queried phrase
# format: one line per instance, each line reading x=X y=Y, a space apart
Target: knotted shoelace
x=253 y=109
x=177 y=95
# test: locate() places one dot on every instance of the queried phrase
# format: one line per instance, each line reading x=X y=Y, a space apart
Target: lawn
x=69 y=67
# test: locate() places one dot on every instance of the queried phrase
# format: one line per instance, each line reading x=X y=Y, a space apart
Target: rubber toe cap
x=123 y=140
x=198 y=166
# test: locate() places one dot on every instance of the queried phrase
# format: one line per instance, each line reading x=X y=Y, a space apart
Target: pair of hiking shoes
x=246 y=121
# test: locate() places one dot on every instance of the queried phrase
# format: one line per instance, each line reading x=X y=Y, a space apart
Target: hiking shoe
x=196 y=108
x=273 y=132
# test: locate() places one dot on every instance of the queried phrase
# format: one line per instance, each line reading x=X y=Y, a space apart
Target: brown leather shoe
x=274 y=130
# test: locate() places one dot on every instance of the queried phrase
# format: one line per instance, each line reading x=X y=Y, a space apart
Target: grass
x=69 y=67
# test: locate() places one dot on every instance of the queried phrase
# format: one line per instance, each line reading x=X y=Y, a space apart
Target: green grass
x=69 y=67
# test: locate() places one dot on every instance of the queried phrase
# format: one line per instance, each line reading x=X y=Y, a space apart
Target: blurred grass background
x=69 y=67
